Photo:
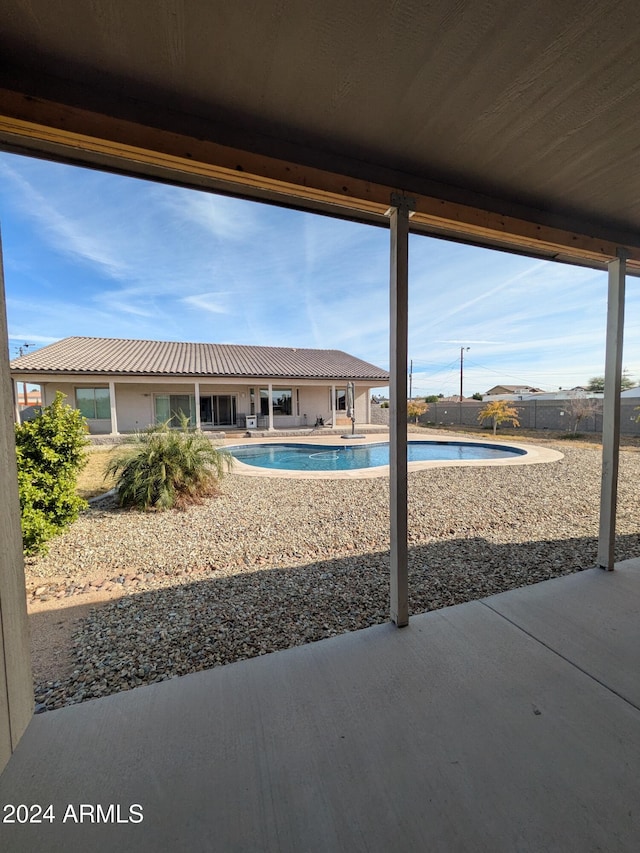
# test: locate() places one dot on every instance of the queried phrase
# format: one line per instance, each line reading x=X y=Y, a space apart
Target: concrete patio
x=511 y=723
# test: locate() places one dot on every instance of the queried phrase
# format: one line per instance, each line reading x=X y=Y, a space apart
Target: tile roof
x=170 y=358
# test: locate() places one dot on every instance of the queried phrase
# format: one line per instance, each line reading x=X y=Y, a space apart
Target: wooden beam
x=33 y=123
x=399 y=313
x=611 y=413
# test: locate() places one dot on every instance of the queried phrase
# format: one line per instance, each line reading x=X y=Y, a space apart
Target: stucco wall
x=135 y=401
x=96 y=427
x=136 y=410
x=314 y=403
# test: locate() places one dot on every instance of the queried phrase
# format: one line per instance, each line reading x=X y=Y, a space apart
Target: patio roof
x=507 y=125
x=505 y=724
x=511 y=125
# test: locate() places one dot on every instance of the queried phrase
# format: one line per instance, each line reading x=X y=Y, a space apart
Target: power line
x=441 y=369
x=422 y=365
x=519 y=378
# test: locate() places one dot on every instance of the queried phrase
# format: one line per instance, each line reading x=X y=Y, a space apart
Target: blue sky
x=87 y=253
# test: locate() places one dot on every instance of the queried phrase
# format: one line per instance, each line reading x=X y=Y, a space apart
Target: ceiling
x=511 y=124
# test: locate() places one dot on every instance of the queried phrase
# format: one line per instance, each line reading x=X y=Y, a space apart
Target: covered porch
x=510 y=723
x=121 y=405
x=505 y=724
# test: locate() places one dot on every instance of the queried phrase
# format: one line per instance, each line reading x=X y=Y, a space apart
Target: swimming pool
x=306 y=457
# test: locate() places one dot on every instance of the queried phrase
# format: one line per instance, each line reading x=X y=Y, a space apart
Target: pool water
x=305 y=457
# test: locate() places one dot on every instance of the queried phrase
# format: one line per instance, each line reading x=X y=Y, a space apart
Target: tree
x=581 y=408
x=477 y=396
x=499 y=412
x=50 y=454
x=163 y=467
x=415 y=408
x=432 y=398
x=596 y=383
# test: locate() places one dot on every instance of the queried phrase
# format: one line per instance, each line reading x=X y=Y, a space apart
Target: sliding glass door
x=173 y=408
x=218 y=410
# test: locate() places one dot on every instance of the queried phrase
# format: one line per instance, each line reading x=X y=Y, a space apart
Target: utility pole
x=24 y=384
x=462 y=349
x=411 y=381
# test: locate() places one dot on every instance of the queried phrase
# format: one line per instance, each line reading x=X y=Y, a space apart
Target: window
x=170 y=408
x=281 y=401
x=94 y=403
x=341 y=399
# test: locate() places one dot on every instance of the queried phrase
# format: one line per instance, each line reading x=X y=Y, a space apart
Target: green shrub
x=163 y=467
x=50 y=453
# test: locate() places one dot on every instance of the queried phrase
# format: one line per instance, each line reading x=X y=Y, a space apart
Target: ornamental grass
x=161 y=468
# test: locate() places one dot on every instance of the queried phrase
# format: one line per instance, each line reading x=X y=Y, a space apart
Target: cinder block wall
x=532 y=414
x=379 y=415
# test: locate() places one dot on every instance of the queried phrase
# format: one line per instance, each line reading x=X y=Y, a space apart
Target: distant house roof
x=513 y=389
x=170 y=358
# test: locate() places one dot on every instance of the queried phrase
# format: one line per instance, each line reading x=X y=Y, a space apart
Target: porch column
x=16 y=685
x=399 y=305
x=196 y=394
x=333 y=405
x=16 y=401
x=270 y=391
x=114 y=414
x=611 y=412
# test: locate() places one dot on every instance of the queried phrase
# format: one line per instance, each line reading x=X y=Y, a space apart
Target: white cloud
x=68 y=234
x=223 y=218
x=213 y=302
x=21 y=337
x=97 y=254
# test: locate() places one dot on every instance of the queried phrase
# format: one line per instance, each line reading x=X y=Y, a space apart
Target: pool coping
x=533 y=455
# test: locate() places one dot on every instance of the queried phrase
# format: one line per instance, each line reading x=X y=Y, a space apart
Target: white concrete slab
x=458 y=733
x=591 y=618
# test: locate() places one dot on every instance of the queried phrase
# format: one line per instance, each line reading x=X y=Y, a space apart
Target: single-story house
x=121 y=386
x=561 y=394
x=512 y=389
x=29 y=397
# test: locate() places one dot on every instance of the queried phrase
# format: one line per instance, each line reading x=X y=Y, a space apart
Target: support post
x=196 y=403
x=16 y=684
x=270 y=390
x=114 y=412
x=16 y=401
x=333 y=405
x=399 y=308
x=611 y=412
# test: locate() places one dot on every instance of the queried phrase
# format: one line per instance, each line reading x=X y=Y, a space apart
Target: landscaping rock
x=273 y=563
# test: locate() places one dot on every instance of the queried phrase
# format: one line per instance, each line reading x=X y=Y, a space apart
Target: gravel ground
x=271 y=563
